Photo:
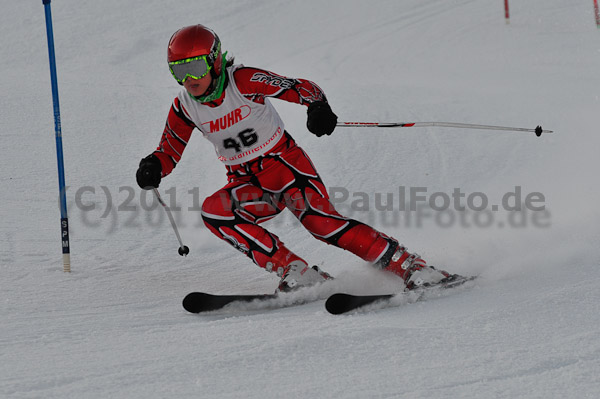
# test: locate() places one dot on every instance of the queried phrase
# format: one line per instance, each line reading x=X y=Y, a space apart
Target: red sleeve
x=256 y=84
x=175 y=137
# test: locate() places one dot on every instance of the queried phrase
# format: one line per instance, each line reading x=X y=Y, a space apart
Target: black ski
x=343 y=303
x=197 y=302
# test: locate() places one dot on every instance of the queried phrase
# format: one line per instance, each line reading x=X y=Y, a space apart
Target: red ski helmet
x=193 y=41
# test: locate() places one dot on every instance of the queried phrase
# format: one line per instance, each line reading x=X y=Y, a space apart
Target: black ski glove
x=148 y=174
x=321 y=119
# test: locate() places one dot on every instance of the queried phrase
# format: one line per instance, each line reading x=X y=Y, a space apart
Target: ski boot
x=296 y=273
x=414 y=270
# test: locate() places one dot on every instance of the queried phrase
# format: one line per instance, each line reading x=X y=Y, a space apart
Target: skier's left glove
x=321 y=119
x=148 y=174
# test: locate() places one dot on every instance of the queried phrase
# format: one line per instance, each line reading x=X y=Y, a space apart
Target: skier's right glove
x=321 y=119
x=148 y=174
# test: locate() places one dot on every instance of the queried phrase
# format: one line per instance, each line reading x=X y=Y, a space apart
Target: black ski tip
x=198 y=302
x=344 y=303
x=193 y=302
x=338 y=303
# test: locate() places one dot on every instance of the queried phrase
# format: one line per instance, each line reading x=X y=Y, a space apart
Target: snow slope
x=114 y=327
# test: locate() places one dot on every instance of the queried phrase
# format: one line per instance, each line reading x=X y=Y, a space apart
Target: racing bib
x=240 y=130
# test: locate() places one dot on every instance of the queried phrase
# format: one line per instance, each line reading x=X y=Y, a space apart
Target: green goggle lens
x=195 y=68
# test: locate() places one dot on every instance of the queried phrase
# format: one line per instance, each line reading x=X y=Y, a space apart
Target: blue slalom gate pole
x=64 y=219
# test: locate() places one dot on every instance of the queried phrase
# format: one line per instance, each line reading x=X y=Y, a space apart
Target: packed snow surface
x=115 y=328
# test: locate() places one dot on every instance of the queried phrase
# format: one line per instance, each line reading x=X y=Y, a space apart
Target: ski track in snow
x=114 y=327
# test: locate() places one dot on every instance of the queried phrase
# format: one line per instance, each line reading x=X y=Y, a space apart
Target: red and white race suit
x=267 y=172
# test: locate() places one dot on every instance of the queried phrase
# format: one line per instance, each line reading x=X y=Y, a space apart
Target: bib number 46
x=245 y=138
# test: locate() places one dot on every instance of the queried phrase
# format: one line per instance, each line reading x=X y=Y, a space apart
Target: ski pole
x=538 y=130
x=183 y=250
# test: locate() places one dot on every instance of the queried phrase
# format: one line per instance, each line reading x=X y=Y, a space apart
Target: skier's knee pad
x=218 y=205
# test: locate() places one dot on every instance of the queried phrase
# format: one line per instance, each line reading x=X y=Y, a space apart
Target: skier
x=266 y=170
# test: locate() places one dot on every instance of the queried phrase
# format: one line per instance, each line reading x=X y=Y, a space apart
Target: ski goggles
x=195 y=68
